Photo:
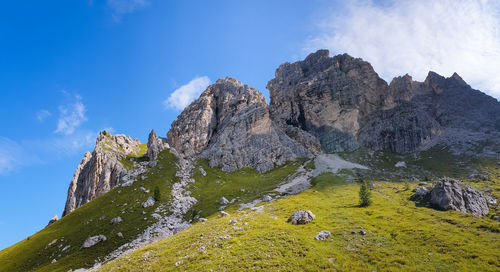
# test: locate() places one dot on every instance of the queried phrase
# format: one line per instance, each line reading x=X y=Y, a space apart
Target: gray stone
x=149 y=202
x=223 y=214
x=53 y=220
x=144 y=190
x=301 y=217
x=202 y=171
x=119 y=234
x=400 y=164
x=116 y=220
x=450 y=194
x=93 y=240
x=223 y=201
x=267 y=198
x=322 y=235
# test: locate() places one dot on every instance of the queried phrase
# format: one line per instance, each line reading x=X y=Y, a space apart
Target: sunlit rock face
x=344 y=104
x=230 y=125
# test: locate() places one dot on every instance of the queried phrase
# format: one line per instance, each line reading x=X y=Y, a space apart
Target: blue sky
x=69 y=69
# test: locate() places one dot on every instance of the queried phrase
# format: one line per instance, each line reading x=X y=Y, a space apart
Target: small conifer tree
x=157 y=195
x=365 y=198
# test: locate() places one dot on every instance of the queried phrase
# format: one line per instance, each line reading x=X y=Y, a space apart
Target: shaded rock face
x=344 y=104
x=450 y=194
x=155 y=145
x=53 y=220
x=100 y=170
x=230 y=126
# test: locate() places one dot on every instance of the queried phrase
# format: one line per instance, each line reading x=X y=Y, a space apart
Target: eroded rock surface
x=100 y=170
x=155 y=145
x=230 y=126
x=450 y=194
x=344 y=104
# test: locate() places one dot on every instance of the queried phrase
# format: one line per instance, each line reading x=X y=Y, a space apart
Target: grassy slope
x=400 y=236
x=91 y=219
x=216 y=184
x=35 y=254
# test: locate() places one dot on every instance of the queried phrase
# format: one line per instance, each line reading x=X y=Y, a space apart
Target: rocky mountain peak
x=230 y=125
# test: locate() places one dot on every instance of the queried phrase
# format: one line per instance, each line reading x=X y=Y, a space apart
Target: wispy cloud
x=41 y=115
x=69 y=139
x=71 y=116
x=122 y=7
x=184 y=95
x=10 y=155
x=414 y=37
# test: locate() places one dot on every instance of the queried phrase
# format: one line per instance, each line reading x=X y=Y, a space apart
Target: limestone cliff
x=343 y=103
x=230 y=125
x=100 y=170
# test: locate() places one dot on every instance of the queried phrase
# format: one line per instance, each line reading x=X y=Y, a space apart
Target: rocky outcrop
x=450 y=194
x=100 y=170
x=345 y=105
x=230 y=126
x=53 y=220
x=155 y=145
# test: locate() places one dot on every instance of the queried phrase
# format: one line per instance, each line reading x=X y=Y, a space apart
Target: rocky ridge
x=101 y=170
x=344 y=104
x=230 y=126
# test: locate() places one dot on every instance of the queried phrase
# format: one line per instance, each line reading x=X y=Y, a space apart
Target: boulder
x=400 y=164
x=301 y=217
x=223 y=201
x=93 y=240
x=322 y=235
x=53 y=220
x=202 y=171
x=223 y=214
x=116 y=220
x=267 y=198
x=149 y=202
x=450 y=194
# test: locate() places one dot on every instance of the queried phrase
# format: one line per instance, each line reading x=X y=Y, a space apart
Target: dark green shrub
x=156 y=193
x=365 y=197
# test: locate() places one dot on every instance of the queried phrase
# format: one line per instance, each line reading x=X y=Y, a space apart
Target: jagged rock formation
x=155 y=145
x=343 y=103
x=230 y=125
x=450 y=194
x=100 y=170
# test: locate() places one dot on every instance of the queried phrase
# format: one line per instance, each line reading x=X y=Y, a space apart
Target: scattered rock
x=202 y=171
x=223 y=214
x=322 y=235
x=119 y=234
x=232 y=221
x=150 y=202
x=91 y=241
x=267 y=198
x=223 y=201
x=202 y=219
x=144 y=190
x=156 y=216
x=53 y=261
x=301 y=217
x=116 y=220
x=224 y=237
x=362 y=232
x=400 y=164
x=53 y=220
x=242 y=190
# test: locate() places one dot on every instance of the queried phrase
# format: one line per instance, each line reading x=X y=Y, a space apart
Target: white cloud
x=414 y=37
x=122 y=7
x=184 y=95
x=42 y=115
x=10 y=155
x=71 y=116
